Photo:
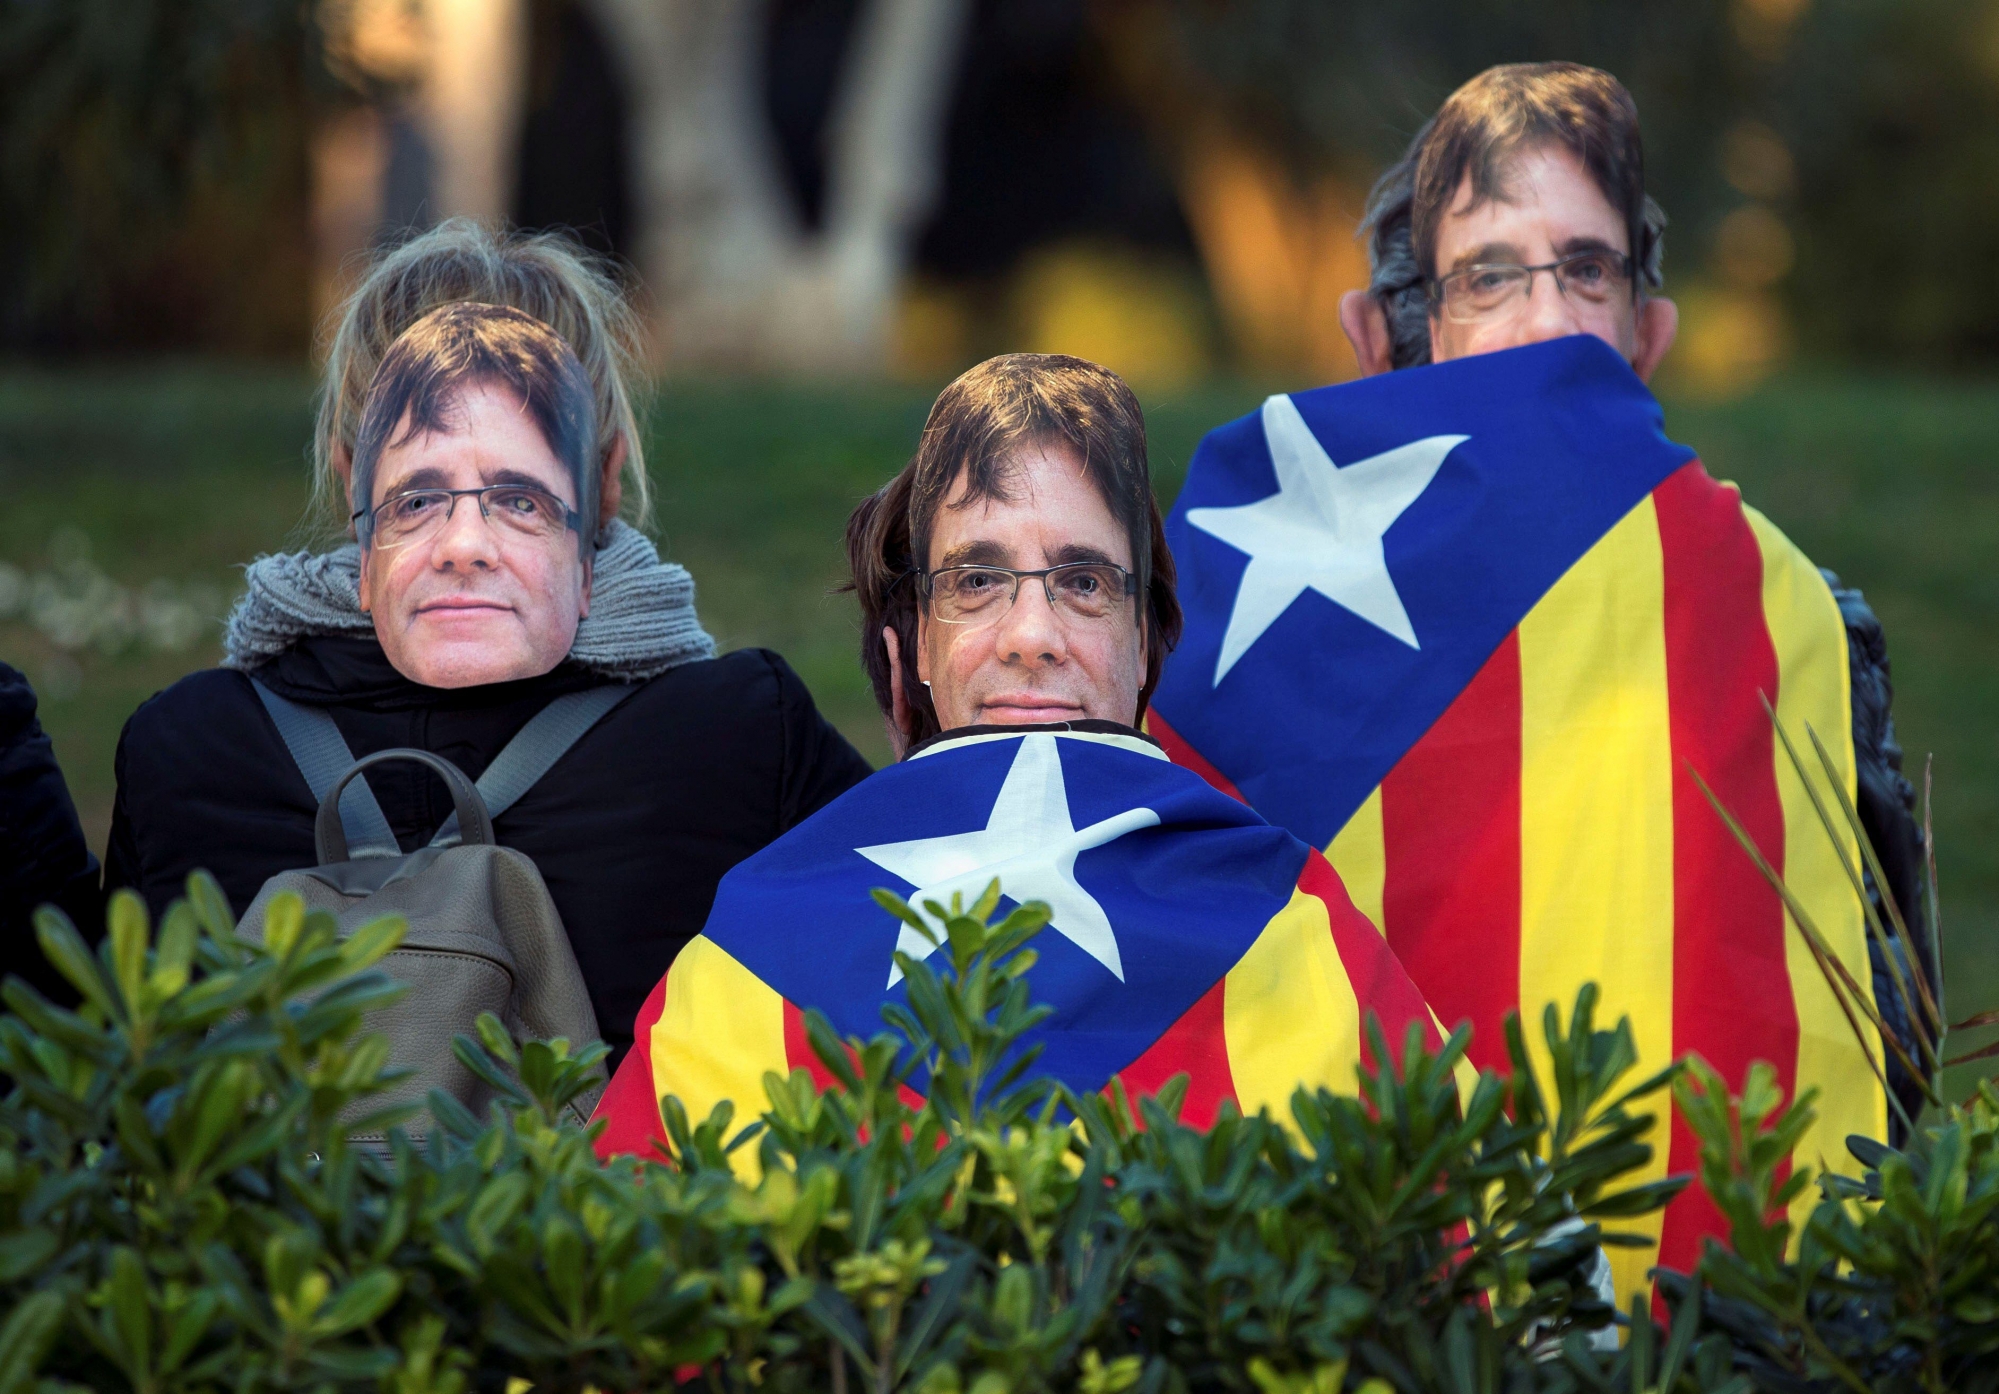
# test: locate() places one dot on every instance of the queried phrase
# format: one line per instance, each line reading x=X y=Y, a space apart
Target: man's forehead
x=1545 y=185
x=478 y=442
x=1043 y=501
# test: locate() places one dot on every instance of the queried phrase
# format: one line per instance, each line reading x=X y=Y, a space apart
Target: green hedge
x=180 y=1210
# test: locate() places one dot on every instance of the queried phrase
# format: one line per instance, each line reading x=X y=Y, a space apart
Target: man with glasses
x=488 y=581
x=1015 y=573
x=1479 y=629
x=1017 y=602
x=1519 y=214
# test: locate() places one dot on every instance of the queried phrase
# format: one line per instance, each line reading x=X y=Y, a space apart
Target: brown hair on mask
x=974 y=428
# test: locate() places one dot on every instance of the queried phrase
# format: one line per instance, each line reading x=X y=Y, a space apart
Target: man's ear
x=899 y=720
x=1658 y=324
x=1365 y=321
x=343 y=469
x=362 y=585
x=611 y=488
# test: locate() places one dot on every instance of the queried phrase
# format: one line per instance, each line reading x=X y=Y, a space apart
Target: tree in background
x=1891 y=108
x=737 y=278
x=167 y=167
x=152 y=173
x=1825 y=162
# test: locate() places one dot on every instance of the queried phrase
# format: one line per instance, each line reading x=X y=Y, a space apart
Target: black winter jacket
x=1886 y=803
x=631 y=829
x=43 y=857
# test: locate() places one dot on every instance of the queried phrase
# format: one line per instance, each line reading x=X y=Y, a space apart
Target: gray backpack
x=484 y=935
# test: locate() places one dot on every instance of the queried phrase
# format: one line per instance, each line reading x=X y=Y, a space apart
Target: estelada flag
x=1472 y=628
x=1187 y=934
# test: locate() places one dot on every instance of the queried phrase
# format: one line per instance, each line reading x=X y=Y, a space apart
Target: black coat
x=1886 y=803
x=43 y=857
x=631 y=829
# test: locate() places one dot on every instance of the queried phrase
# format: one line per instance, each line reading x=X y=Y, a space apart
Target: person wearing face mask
x=1475 y=626
x=1017 y=603
x=1519 y=215
x=490 y=577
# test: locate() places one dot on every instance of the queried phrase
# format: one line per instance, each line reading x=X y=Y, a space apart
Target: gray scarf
x=641 y=619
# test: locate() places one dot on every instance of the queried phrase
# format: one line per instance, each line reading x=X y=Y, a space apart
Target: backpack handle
x=469 y=808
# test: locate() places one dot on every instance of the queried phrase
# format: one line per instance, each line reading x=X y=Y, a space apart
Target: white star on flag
x=1320 y=531
x=1030 y=844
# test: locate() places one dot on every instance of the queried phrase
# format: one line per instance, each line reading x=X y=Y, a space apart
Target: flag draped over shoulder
x=1472 y=629
x=1187 y=934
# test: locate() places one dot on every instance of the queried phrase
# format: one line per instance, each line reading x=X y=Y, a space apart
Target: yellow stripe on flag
x=1813 y=690
x=720 y=1028
x=1596 y=815
x=1289 y=1014
x=1357 y=855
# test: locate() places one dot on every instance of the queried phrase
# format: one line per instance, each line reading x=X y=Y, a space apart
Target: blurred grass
x=187 y=471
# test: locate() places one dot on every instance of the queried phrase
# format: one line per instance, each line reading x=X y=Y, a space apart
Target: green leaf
x=562 y=1258
x=25 y=1251
x=64 y=948
x=190 y=1324
x=498 y=1202
x=125 y=944
x=26 y=1335
x=211 y=907
x=284 y=920
x=358 y=1303
x=498 y=1041
x=173 y=964
x=130 y=1314
x=372 y=942
x=908 y=914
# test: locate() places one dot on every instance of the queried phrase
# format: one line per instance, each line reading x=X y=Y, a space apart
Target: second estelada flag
x=1469 y=627
x=1187 y=935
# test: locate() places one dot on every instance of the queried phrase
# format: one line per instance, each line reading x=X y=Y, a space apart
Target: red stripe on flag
x=1380 y=982
x=799 y=1055
x=1181 y=753
x=1196 y=1045
x=798 y=1052
x=1731 y=986
x=629 y=1104
x=1450 y=833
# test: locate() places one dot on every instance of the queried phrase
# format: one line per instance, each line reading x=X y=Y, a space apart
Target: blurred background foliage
x=156 y=174
x=1166 y=186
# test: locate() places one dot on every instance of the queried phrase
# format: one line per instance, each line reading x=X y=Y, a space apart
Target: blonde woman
x=476 y=437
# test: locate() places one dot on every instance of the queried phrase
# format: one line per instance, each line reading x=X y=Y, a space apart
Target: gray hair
x=457 y=346
x=1395 y=280
x=546 y=276
x=1480 y=124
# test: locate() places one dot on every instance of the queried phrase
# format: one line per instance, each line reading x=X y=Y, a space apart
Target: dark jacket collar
x=351 y=670
x=1090 y=725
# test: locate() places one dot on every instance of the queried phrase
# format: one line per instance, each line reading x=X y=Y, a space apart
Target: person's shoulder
x=751 y=679
x=200 y=701
x=748 y=695
x=1863 y=626
x=17 y=699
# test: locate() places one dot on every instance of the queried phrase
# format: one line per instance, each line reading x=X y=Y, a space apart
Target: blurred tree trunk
x=737 y=281
x=473 y=102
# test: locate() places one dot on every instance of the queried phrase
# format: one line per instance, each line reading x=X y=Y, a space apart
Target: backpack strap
x=322 y=756
x=535 y=748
